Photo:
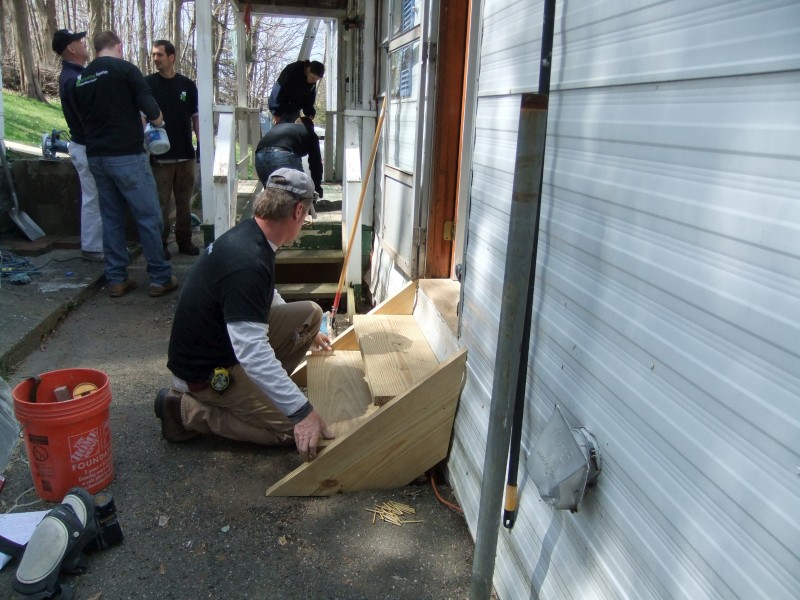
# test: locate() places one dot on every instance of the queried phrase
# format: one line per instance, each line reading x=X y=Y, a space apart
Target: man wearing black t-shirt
x=174 y=170
x=234 y=340
x=110 y=94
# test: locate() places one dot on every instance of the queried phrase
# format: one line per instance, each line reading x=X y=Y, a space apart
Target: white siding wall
x=667 y=314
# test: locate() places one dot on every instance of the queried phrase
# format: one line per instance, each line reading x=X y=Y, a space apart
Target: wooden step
x=306 y=291
x=338 y=391
x=395 y=352
x=295 y=256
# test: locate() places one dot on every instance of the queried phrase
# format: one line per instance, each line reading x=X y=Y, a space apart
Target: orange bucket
x=69 y=441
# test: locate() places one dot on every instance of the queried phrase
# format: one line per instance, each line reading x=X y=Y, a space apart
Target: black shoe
x=168 y=409
x=188 y=248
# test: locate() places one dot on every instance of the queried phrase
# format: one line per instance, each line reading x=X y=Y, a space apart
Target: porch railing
x=238 y=128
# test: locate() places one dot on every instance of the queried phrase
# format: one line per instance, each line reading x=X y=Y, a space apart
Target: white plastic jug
x=156 y=140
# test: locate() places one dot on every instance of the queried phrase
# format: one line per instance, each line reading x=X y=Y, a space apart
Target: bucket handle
x=34 y=387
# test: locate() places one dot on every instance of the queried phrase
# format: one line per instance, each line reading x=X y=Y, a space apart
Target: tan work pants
x=243 y=412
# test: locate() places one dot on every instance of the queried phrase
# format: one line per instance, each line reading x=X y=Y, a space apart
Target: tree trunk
x=221 y=31
x=29 y=82
x=108 y=19
x=174 y=33
x=96 y=15
x=3 y=42
x=50 y=18
x=46 y=12
x=144 y=51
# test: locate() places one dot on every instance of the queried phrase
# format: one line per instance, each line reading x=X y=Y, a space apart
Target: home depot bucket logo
x=87 y=449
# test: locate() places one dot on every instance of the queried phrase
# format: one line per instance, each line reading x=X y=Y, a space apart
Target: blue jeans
x=268 y=160
x=127 y=182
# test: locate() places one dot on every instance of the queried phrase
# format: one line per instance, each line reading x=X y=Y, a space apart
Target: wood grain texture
x=390 y=447
x=338 y=391
x=395 y=352
x=401 y=303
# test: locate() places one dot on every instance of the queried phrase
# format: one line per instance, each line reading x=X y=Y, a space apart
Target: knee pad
x=56 y=547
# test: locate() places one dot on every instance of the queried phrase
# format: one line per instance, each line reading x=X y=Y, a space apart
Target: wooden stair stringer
x=404 y=438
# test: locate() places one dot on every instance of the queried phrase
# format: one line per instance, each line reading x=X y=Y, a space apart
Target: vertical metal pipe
x=514 y=330
x=524 y=204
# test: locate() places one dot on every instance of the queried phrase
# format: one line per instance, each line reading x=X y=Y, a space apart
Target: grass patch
x=27 y=119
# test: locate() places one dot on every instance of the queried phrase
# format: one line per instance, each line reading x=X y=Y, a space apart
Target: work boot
x=120 y=289
x=162 y=290
x=168 y=410
x=188 y=248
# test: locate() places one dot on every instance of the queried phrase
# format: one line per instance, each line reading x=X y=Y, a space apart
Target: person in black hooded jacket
x=296 y=90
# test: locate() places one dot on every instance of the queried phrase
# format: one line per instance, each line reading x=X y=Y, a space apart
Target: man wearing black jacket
x=296 y=89
x=284 y=146
x=110 y=94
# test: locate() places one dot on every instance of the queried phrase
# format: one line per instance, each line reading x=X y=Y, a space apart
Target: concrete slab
x=60 y=281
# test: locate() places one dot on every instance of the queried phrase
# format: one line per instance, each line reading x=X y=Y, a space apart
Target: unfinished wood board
x=337 y=390
x=395 y=352
x=444 y=294
x=401 y=303
x=392 y=446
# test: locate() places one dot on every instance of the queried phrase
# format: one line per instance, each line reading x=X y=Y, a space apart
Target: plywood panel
x=395 y=352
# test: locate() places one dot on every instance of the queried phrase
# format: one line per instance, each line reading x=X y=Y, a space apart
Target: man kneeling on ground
x=234 y=340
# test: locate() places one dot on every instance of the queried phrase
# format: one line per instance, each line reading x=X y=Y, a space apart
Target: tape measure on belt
x=220 y=380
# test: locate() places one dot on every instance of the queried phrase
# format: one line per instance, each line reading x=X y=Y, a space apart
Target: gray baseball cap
x=296 y=182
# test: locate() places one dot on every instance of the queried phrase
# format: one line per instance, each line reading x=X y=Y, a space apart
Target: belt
x=197 y=386
x=274 y=149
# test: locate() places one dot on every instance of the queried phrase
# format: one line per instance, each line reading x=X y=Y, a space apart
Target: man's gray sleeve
x=255 y=354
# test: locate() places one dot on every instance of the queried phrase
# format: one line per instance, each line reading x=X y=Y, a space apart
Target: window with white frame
x=404 y=65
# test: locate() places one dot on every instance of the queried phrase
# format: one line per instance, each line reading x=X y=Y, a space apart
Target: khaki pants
x=243 y=412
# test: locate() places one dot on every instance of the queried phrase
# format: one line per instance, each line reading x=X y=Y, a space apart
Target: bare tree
x=144 y=51
x=29 y=81
x=97 y=15
x=220 y=14
x=51 y=23
x=174 y=31
x=3 y=42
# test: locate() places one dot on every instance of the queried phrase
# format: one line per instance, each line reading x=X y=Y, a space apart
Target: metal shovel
x=20 y=217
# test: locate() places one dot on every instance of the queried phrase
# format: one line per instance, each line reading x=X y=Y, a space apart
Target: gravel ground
x=197 y=523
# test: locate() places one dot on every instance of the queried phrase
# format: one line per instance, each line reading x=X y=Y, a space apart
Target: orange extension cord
x=450 y=505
